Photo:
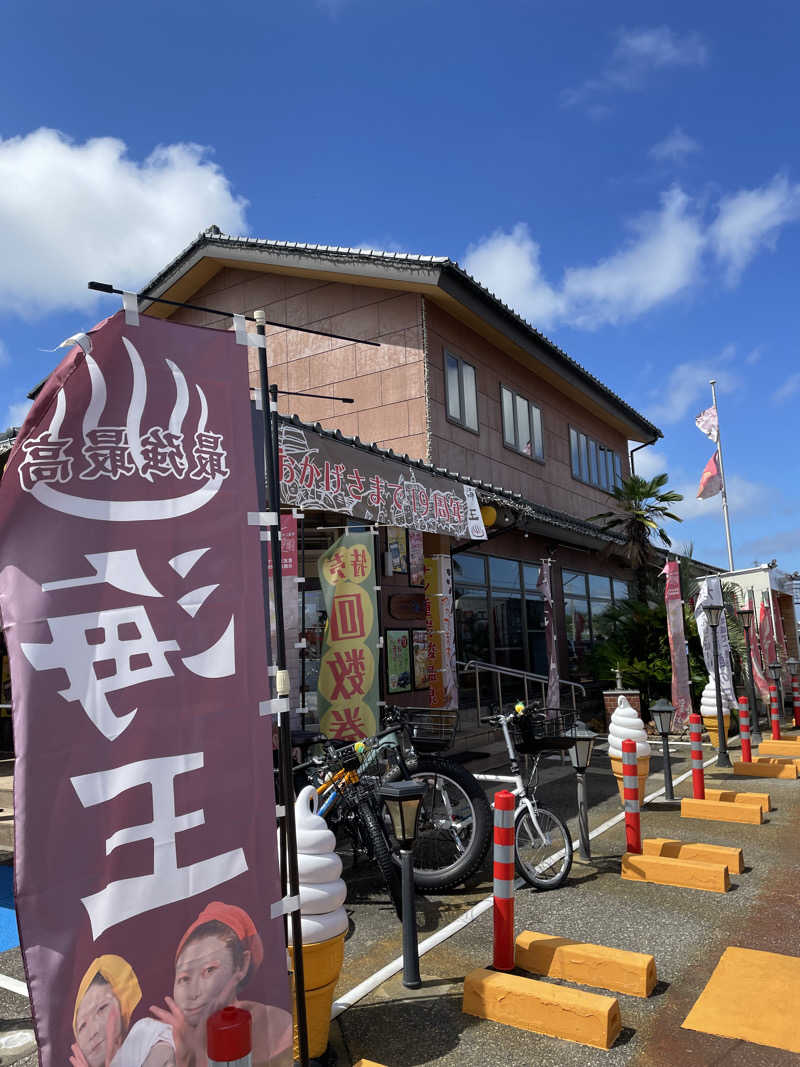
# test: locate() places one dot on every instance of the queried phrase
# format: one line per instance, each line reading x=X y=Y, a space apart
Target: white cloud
x=508 y=263
x=670 y=249
x=648 y=462
x=5 y=358
x=790 y=388
x=658 y=262
x=686 y=391
x=744 y=498
x=749 y=220
x=637 y=54
x=675 y=147
x=16 y=413
x=73 y=212
x=754 y=356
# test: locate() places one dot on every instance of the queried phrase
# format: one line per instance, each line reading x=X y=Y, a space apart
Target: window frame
x=582 y=448
x=534 y=413
x=461 y=363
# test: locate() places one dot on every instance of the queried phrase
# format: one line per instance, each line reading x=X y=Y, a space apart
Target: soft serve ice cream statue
x=627 y=725
x=323 y=918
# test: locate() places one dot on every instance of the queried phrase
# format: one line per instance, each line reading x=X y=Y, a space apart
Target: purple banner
x=681 y=693
x=131 y=595
x=553 y=680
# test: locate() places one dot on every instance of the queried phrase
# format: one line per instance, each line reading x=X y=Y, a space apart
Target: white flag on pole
x=707 y=422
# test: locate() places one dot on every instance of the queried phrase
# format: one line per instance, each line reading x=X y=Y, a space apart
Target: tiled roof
x=487 y=491
x=403 y=260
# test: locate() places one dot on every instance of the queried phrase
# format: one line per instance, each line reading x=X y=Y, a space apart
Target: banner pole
x=726 y=516
x=269 y=403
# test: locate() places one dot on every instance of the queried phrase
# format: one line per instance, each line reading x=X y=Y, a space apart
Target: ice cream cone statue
x=708 y=709
x=625 y=723
x=323 y=918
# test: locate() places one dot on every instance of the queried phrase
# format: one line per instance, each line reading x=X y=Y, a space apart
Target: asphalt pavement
x=685 y=930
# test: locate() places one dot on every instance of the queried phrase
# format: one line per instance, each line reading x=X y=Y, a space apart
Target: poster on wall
x=416 y=558
x=419 y=640
x=397 y=548
x=442 y=679
x=131 y=592
x=348 y=683
x=398 y=661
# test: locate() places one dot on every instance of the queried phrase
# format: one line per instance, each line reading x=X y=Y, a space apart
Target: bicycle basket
x=431 y=728
x=534 y=731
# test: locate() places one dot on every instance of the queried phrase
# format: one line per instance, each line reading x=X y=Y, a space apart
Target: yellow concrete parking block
x=784 y=747
x=558 y=1011
x=773 y=769
x=732 y=858
x=685 y=874
x=616 y=969
x=720 y=811
x=728 y=796
x=718 y=1009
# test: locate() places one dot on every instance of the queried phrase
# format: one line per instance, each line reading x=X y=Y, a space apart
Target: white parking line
x=365 y=987
x=14 y=985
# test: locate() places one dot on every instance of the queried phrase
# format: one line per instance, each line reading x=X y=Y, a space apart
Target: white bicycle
x=542 y=843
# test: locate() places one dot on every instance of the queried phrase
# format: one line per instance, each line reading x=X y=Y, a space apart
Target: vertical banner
x=291 y=606
x=766 y=634
x=348 y=686
x=759 y=679
x=711 y=593
x=553 y=680
x=440 y=624
x=681 y=693
x=131 y=593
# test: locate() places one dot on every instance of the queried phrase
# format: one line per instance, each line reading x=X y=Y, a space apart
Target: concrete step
x=6 y=795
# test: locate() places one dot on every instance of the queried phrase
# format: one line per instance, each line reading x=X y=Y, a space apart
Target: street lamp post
x=662 y=712
x=581 y=756
x=746 y=616
x=714 y=616
x=402 y=800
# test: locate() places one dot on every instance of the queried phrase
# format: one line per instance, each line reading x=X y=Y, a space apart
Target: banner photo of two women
x=132 y=602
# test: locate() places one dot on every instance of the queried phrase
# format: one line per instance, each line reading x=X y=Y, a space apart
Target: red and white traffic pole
x=796 y=700
x=744 y=730
x=504 y=803
x=774 y=713
x=630 y=792
x=229 y=1038
x=698 y=777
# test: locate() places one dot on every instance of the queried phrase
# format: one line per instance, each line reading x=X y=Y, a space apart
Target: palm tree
x=643 y=506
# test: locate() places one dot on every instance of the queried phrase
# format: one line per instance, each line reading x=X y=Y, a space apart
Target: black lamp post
x=581 y=756
x=746 y=616
x=402 y=800
x=662 y=712
x=714 y=616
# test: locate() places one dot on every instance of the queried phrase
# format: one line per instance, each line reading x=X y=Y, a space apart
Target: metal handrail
x=498 y=672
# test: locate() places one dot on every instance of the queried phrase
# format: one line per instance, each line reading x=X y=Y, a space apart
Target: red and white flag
x=707 y=422
x=711 y=480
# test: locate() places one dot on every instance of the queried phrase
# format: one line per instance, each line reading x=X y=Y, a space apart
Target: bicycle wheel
x=455 y=824
x=378 y=847
x=542 y=848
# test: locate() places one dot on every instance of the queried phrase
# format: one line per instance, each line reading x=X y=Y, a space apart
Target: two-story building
x=461 y=382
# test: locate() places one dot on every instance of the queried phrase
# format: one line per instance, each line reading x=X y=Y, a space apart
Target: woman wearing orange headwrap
x=216 y=958
x=107 y=996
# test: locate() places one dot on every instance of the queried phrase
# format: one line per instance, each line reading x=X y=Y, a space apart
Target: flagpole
x=712 y=383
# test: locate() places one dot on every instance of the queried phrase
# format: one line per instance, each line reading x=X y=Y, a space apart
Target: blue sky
x=626 y=175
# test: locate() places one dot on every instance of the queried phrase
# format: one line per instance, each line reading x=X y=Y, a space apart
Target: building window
x=594 y=463
x=461 y=392
x=522 y=424
x=587 y=599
